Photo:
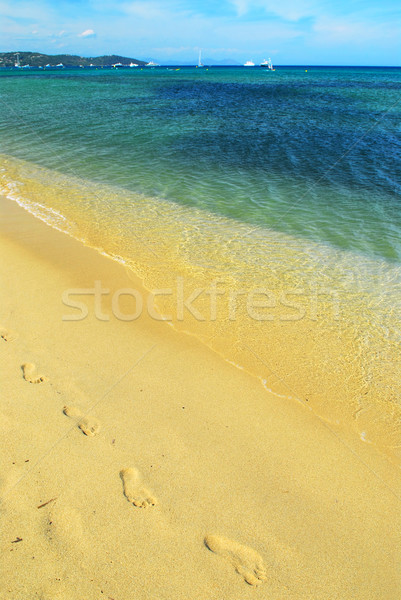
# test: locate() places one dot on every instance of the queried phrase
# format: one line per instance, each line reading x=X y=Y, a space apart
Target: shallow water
x=271 y=198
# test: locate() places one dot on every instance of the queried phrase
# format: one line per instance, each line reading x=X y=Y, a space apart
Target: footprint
x=246 y=562
x=8 y=336
x=55 y=591
x=87 y=424
x=134 y=491
x=64 y=526
x=28 y=370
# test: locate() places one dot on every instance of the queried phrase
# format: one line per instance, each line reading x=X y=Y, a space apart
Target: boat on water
x=133 y=65
x=60 y=66
x=17 y=63
x=267 y=63
x=200 y=64
x=152 y=64
x=249 y=63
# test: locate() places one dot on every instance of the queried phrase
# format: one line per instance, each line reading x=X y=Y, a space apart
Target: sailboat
x=200 y=64
x=267 y=63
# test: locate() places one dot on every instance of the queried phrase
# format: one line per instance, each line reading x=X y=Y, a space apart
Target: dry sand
x=137 y=464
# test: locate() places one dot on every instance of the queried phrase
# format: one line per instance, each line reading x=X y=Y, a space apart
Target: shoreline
x=221 y=455
x=309 y=323
x=249 y=313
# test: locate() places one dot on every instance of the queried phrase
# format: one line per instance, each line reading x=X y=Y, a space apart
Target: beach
x=138 y=463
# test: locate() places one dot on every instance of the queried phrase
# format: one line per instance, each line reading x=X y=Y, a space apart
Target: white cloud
x=87 y=33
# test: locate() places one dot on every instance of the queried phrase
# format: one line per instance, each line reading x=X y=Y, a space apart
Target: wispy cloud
x=87 y=33
x=241 y=7
x=353 y=31
x=289 y=10
x=145 y=10
x=26 y=10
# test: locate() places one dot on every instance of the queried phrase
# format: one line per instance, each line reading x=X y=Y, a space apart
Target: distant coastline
x=36 y=59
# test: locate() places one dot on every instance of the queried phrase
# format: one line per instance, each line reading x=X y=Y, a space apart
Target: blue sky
x=341 y=32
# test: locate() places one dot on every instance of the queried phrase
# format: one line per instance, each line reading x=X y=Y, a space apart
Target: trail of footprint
x=8 y=336
x=134 y=490
x=28 y=370
x=87 y=424
x=246 y=561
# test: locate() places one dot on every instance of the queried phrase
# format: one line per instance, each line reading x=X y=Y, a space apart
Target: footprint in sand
x=55 y=591
x=8 y=336
x=134 y=490
x=64 y=527
x=87 y=424
x=246 y=562
x=28 y=370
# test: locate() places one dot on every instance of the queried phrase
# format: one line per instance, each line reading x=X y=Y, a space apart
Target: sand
x=138 y=464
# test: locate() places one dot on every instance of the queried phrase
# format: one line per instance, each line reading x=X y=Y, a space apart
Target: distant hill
x=34 y=59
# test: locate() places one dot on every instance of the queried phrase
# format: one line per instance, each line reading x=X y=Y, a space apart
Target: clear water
x=287 y=181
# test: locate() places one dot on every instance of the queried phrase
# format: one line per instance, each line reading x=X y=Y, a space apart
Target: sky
x=297 y=32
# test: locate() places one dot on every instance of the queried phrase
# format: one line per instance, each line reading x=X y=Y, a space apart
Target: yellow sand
x=137 y=464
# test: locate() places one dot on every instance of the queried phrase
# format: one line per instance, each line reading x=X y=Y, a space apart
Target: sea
x=260 y=209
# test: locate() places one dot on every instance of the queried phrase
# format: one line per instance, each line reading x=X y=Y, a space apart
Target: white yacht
x=249 y=63
x=152 y=64
x=200 y=64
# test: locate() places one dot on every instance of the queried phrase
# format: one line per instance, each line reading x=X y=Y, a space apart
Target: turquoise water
x=284 y=181
x=313 y=153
